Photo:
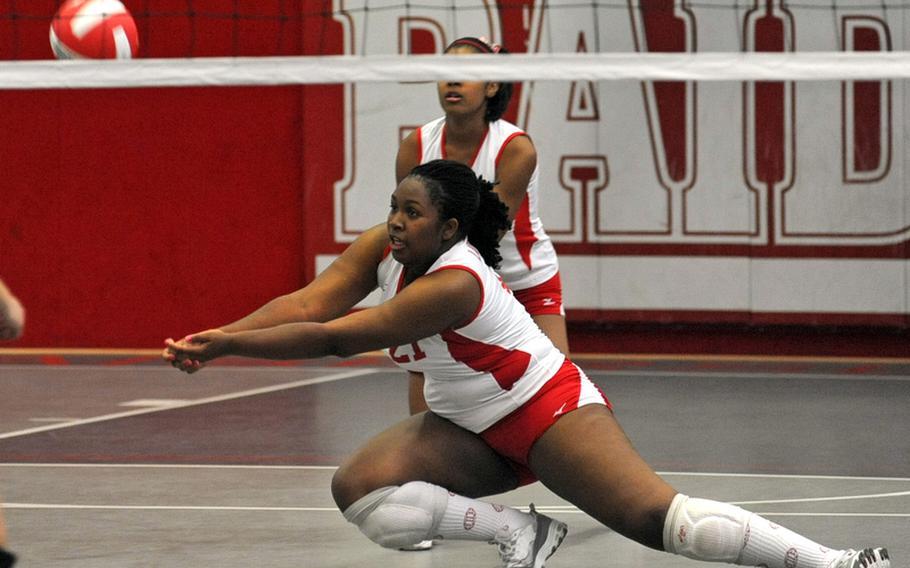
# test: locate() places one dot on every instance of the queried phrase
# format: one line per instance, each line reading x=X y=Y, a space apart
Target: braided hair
x=498 y=103
x=458 y=193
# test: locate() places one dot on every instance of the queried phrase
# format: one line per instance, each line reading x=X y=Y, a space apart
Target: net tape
x=302 y=70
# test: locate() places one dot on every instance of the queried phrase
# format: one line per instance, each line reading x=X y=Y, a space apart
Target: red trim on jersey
x=503 y=147
x=386 y=251
x=506 y=366
x=444 y=154
x=524 y=233
x=420 y=145
x=479 y=283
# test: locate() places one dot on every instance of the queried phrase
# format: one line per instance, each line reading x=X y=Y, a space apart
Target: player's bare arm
x=407 y=156
x=515 y=170
x=428 y=306
x=349 y=279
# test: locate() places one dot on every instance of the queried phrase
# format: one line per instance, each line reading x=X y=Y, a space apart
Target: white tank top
x=476 y=374
x=528 y=255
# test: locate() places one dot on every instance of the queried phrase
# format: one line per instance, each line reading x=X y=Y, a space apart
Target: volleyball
x=94 y=29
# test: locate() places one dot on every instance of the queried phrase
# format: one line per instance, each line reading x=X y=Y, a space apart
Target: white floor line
x=165 y=507
x=165 y=368
x=550 y=509
x=778 y=475
x=197 y=402
x=166 y=466
x=721 y=374
x=706 y=374
x=824 y=499
x=554 y=510
x=883 y=515
x=334 y=467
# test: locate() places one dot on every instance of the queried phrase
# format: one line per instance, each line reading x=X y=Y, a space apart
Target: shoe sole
x=420 y=546
x=874 y=558
x=555 y=534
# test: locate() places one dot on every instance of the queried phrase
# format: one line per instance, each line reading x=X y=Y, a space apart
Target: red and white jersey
x=528 y=256
x=479 y=373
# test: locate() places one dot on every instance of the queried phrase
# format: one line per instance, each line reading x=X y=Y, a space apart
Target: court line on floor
x=825 y=499
x=566 y=509
x=600 y=356
x=555 y=509
x=722 y=374
x=700 y=374
x=168 y=466
x=196 y=402
x=64 y=506
x=334 y=467
x=260 y=369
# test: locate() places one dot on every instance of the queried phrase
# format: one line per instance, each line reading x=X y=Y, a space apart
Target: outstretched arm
x=429 y=305
x=330 y=295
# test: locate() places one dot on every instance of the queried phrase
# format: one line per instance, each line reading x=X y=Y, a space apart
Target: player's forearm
x=281 y=310
x=288 y=341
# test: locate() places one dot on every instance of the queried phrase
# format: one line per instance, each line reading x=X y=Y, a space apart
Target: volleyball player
x=506 y=406
x=12 y=323
x=473 y=132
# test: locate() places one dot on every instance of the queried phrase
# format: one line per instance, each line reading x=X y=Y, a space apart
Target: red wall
x=133 y=214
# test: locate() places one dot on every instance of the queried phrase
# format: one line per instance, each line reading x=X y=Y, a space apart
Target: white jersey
x=528 y=256
x=476 y=374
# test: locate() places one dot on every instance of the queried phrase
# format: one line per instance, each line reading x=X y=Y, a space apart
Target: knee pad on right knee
x=393 y=516
x=707 y=530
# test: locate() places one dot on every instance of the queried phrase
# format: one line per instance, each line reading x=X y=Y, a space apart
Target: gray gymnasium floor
x=116 y=460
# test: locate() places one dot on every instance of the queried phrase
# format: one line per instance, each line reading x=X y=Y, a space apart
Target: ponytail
x=491 y=220
x=460 y=194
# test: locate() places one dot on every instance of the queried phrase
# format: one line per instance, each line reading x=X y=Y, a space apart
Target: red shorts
x=543 y=299
x=513 y=436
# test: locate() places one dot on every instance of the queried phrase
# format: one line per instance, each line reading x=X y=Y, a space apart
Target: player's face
x=417 y=235
x=465 y=97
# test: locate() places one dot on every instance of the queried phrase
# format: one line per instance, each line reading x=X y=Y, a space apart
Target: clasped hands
x=192 y=352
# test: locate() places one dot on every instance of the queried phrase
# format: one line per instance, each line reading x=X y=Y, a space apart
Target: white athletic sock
x=470 y=519
x=774 y=546
x=708 y=530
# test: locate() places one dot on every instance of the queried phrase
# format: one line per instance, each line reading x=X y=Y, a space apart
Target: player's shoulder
x=513 y=139
x=519 y=151
x=371 y=245
x=506 y=128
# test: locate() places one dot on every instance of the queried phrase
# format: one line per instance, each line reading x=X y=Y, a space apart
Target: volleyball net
x=309 y=42
x=699 y=161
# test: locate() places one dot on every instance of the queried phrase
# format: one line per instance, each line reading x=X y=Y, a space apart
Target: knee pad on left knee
x=393 y=517
x=702 y=529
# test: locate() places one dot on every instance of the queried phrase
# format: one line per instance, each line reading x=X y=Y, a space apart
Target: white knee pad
x=707 y=530
x=393 y=517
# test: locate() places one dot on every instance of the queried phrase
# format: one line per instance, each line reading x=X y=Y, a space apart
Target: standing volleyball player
x=12 y=323
x=506 y=406
x=473 y=132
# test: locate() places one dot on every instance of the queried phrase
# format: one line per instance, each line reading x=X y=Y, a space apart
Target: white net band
x=226 y=71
